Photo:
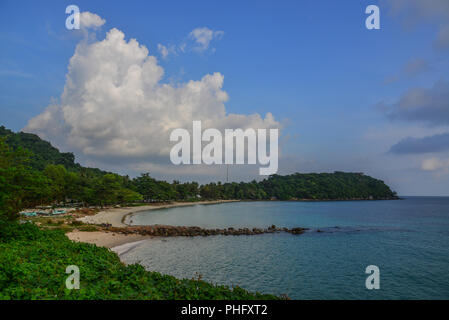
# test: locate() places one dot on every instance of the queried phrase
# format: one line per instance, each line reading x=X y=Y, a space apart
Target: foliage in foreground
x=33 y=264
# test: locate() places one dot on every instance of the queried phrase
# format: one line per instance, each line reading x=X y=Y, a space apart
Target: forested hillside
x=33 y=172
x=43 y=153
x=303 y=186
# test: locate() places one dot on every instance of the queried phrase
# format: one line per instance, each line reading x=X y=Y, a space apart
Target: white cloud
x=90 y=20
x=165 y=51
x=434 y=164
x=203 y=37
x=114 y=108
x=198 y=40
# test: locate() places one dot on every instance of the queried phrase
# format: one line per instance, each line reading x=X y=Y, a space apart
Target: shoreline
x=119 y=233
x=116 y=216
x=105 y=239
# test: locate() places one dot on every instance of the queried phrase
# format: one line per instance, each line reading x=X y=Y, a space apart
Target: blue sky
x=335 y=86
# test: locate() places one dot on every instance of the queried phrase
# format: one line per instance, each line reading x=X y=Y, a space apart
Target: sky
x=344 y=97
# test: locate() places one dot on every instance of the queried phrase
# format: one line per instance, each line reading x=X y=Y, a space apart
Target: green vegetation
x=32 y=172
x=43 y=153
x=298 y=186
x=33 y=264
x=22 y=185
x=33 y=259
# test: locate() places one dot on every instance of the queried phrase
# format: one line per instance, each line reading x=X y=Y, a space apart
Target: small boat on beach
x=28 y=213
x=58 y=211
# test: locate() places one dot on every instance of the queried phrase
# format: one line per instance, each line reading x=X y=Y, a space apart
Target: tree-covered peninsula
x=33 y=172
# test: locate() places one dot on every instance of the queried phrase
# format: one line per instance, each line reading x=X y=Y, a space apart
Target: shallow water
x=407 y=239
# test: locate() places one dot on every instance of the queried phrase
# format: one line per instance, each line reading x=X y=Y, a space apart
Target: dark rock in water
x=183 y=231
x=297 y=230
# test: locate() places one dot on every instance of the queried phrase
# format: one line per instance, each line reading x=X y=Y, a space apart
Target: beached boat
x=58 y=211
x=28 y=213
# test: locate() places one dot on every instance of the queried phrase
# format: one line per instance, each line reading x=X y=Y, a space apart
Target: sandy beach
x=105 y=239
x=115 y=216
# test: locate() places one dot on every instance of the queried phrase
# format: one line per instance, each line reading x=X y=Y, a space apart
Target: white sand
x=124 y=248
x=105 y=239
x=115 y=216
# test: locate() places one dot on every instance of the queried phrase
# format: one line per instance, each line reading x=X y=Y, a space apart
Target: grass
x=33 y=263
x=66 y=223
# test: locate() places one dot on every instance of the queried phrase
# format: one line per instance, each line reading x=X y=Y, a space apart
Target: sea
x=407 y=242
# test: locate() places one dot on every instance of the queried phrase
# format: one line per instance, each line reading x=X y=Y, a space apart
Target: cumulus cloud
x=435 y=164
x=425 y=105
x=430 y=144
x=90 y=20
x=203 y=37
x=414 y=12
x=115 y=109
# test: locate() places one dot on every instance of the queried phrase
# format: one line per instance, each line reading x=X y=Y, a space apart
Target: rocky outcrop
x=181 y=231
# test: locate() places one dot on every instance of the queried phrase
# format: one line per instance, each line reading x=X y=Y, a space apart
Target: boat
x=28 y=213
x=58 y=211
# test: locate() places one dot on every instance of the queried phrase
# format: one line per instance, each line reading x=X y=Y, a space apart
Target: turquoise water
x=407 y=239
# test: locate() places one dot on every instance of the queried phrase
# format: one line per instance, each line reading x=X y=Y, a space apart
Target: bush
x=13 y=231
x=33 y=263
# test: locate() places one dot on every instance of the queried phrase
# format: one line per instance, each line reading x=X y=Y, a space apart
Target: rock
x=297 y=230
x=177 y=231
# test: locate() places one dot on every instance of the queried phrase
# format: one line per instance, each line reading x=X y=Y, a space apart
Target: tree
x=59 y=181
x=127 y=196
x=20 y=186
